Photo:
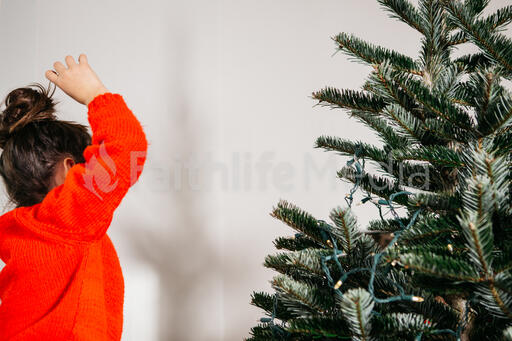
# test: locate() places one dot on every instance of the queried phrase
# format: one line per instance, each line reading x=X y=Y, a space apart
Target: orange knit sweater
x=62 y=279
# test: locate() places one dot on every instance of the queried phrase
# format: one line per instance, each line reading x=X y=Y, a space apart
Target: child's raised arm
x=82 y=208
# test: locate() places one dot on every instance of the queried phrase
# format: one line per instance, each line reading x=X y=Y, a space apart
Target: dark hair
x=34 y=141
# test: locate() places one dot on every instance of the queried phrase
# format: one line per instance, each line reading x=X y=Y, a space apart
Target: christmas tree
x=437 y=264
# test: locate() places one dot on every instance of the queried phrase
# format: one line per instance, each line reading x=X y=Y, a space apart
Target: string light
x=417 y=299
x=338 y=284
x=376 y=256
x=325 y=231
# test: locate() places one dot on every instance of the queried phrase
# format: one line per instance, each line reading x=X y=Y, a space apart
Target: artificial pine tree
x=440 y=268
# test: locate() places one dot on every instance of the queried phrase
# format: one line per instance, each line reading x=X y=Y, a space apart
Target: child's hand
x=77 y=80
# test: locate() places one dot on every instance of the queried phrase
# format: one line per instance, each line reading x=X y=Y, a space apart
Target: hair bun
x=23 y=106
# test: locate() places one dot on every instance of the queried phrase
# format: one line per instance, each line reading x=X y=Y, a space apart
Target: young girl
x=62 y=279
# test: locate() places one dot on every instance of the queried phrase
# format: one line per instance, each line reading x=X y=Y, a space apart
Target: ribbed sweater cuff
x=102 y=99
x=108 y=114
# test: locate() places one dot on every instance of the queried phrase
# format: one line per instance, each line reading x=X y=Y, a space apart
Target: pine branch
x=457 y=38
x=307 y=260
x=439 y=105
x=438 y=156
x=436 y=202
x=434 y=50
x=387 y=225
x=326 y=328
x=475 y=222
x=489 y=174
x=302 y=300
x=357 y=305
x=502 y=258
x=349 y=99
x=295 y=243
x=421 y=176
x=492 y=102
x=434 y=265
x=479 y=238
x=494 y=22
x=464 y=93
x=371 y=54
x=380 y=82
x=433 y=307
x=502 y=142
x=446 y=83
x=404 y=11
x=411 y=120
x=266 y=302
x=265 y=332
x=476 y=7
x=401 y=326
x=383 y=129
x=431 y=230
x=495 y=300
x=299 y=220
x=507 y=334
x=496 y=46
x=407 y=125
x=438 y=113
x=379 y=186
x=349 y=148
x=346 y=229
x=470 y=62
x=501 y=17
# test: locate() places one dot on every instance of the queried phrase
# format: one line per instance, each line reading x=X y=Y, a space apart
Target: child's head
x=35 y=144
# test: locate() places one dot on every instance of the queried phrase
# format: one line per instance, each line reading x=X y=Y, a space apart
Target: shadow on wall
x=185 y=261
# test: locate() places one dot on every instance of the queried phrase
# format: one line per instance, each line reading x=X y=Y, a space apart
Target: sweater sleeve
x=83 y=206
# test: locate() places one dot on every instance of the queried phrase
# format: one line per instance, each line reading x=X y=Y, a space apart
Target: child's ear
x=68 y=163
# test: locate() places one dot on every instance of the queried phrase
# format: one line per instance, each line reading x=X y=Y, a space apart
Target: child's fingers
x=82 y=59
x=70 y=61
x=59 y=67
x=52 y=76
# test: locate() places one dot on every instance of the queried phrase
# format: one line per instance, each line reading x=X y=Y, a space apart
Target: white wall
x=222 y=88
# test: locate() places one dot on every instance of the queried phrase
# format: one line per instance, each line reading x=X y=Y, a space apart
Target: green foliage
x=357 y=304
x=371 y=54
x=404 y=11
x=301 y=299
x=347 y=147
x=442 y=268
x=507 y=334
x=403 y=326
x=493 y=44
x=346 y=228
x=348 y=99
x=436 y=265
x=325 y=328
